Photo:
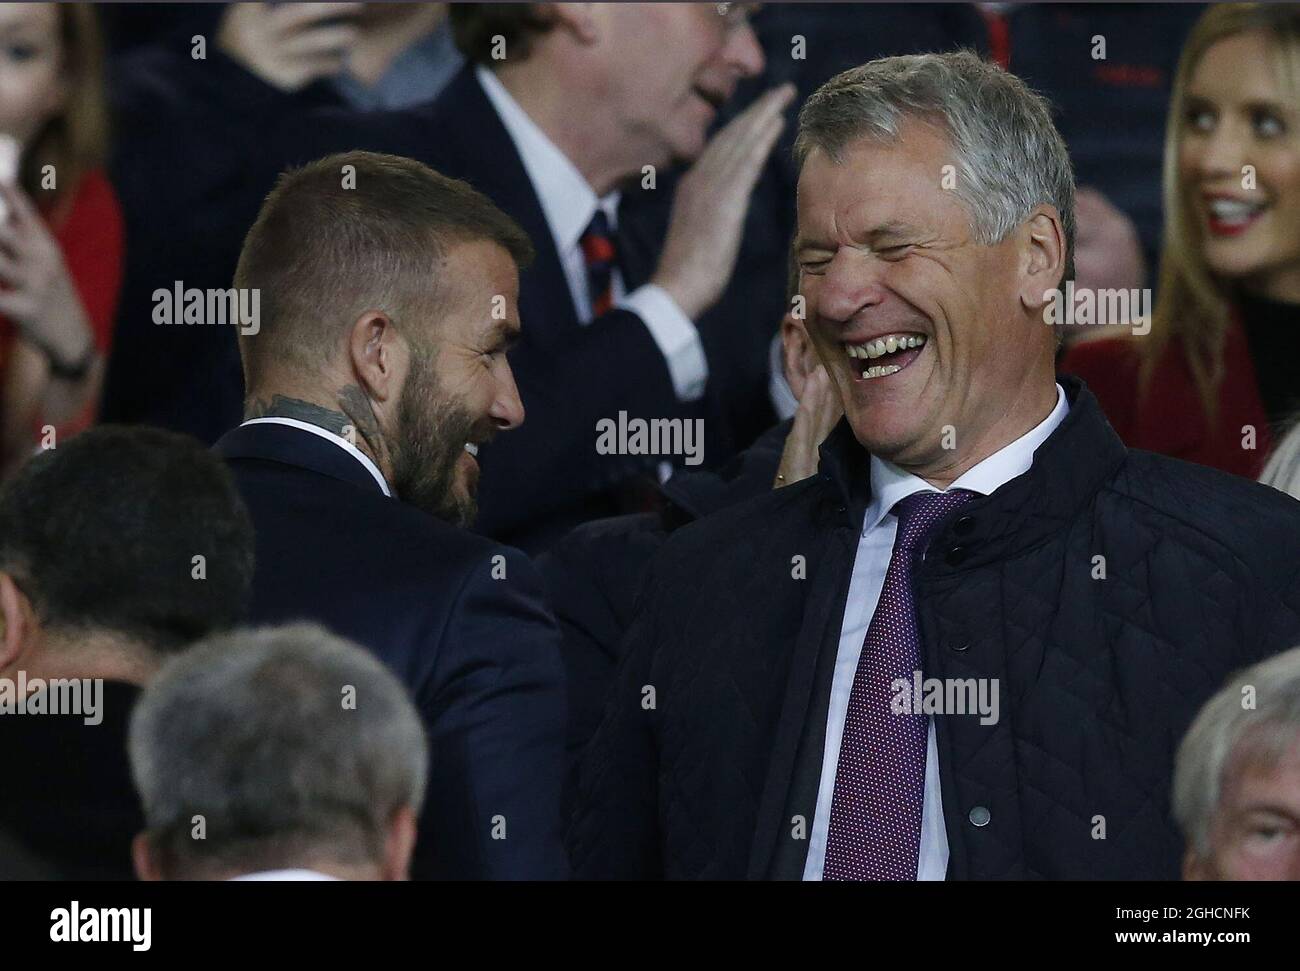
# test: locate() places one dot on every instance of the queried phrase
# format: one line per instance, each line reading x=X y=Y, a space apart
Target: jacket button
x=960 y=648
x=956 y=556
x=979 y=816
x=964 y=525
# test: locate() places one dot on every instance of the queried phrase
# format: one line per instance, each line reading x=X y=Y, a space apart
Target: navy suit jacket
x=460 y=619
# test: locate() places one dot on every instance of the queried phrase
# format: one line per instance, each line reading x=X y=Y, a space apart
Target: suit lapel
x=482 y=153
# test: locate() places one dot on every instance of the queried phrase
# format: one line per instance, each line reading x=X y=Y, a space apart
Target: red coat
x=1170 y=419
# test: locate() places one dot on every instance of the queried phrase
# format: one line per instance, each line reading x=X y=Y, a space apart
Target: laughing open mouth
x=885 y=355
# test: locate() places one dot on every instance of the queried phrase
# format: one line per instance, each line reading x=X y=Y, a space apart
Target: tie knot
x=598 y=241
x=918 y=512
x=599 y=225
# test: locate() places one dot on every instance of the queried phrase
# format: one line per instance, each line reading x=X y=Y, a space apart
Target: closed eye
x=894 y=251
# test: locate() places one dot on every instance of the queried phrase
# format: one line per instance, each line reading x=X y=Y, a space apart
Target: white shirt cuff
x=677 y=337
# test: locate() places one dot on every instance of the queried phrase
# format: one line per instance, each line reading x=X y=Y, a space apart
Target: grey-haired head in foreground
x=277 y=748
x=1231 y=771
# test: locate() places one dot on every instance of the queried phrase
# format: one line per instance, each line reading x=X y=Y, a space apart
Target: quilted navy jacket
x=707 y=762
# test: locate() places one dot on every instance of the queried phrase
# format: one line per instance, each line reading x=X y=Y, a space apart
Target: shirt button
x=956 y=556
x=960 y=648
x=964 y=525
x=979 y=816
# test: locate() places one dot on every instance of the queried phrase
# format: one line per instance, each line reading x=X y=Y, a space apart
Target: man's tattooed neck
x=353 y=420
x=313 y=414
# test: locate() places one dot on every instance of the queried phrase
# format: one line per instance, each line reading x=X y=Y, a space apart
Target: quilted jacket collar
x=1069 y=469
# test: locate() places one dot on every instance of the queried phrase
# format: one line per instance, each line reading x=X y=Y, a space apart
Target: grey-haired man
x=964 y=649
x=1237 y=779
x=277 y=754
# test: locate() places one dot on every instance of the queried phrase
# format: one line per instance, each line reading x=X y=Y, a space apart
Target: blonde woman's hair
x=75 y=140
x=1195 y=307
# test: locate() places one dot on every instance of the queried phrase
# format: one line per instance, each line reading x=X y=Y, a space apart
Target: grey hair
x=1008 y=153
x=253 y=732
x=1227 y=731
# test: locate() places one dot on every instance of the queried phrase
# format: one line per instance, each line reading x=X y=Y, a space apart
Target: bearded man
x=388 y=301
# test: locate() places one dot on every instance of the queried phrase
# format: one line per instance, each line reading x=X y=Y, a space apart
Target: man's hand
x=289 y=45
x=712 y=198
x=819 y=411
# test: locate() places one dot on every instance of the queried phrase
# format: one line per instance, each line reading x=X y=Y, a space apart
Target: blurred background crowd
x=167 y=124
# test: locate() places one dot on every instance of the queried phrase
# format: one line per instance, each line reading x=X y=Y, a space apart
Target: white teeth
x=880 y=370
x=471 y=448
x=1232 y=210
x=884 y=345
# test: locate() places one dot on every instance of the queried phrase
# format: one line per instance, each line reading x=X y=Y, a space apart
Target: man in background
x=277 y=754
x=1237 y=779
x=117 y=550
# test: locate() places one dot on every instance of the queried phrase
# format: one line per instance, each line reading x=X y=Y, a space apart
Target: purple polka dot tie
x=875 y=825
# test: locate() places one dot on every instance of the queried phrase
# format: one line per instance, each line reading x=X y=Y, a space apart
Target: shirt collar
x=568 y=201
x=329 y=436
x=889 y=483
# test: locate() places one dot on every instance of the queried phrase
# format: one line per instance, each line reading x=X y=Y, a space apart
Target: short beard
x=431 y=435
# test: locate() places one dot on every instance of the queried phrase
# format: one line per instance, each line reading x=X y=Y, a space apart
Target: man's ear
x=1042 y=257
x=144 y=860
x=378 y=355
x=399 y=844
x=19 y=626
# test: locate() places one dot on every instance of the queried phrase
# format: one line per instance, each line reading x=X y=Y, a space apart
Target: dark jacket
x=593 y=574
x=461 y=620
x=712 y=744
x=68 y=799
x=194 y=155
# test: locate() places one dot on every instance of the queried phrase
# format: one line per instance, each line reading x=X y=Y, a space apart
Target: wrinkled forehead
x=873 y=182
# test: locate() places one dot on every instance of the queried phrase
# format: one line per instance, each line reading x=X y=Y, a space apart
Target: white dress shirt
x=569 y=203
x=329 y=436
x=283 y=876
x=889 y=484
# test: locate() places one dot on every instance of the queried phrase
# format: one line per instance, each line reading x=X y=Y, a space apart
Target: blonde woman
x=1218 y=367
x=61 y=226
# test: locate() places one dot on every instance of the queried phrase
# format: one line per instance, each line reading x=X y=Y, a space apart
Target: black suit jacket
x=460 y=619
x=711 y=774
x=67 y=799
